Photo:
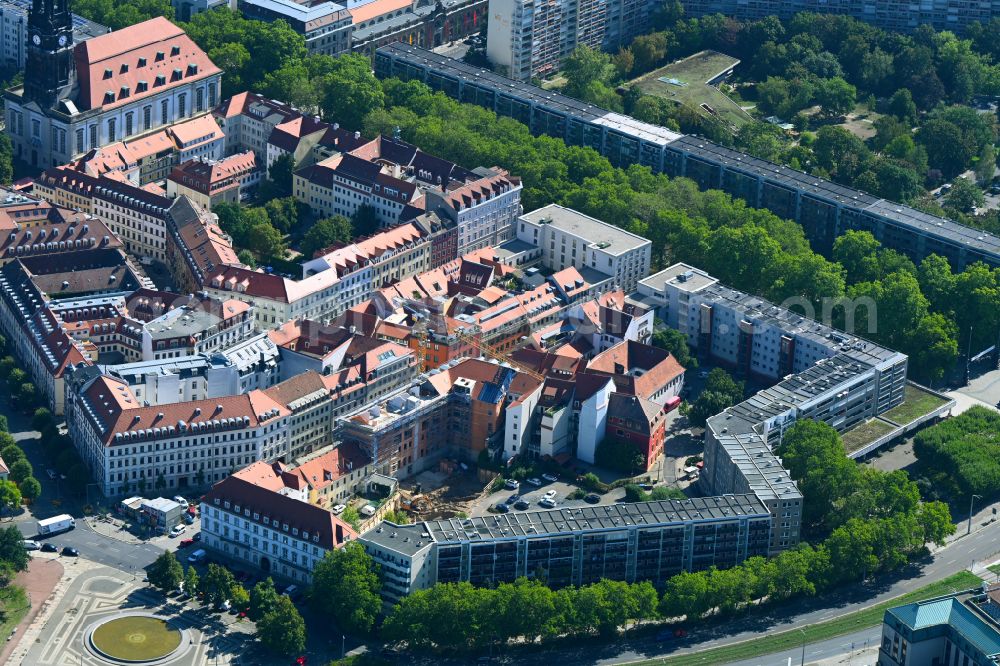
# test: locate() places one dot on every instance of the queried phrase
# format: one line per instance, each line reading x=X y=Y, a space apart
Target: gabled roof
x=330 y=531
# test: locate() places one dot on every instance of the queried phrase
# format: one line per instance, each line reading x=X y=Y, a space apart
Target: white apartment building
x=568 y=238
x=187 y=444
x=254 y=518
x=277 y=299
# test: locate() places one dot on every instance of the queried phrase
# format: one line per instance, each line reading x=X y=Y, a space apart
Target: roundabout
x=136 y=638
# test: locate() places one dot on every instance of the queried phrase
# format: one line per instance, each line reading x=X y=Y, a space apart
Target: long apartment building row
x=643 y=541
x=128 y=438
x=822 y=374
x=824 y=209
x=898 y=15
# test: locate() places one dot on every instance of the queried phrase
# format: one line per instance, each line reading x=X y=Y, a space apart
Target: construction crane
x=495 y=353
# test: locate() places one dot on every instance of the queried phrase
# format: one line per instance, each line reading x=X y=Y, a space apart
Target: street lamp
x=802 y=660
x=971 y=500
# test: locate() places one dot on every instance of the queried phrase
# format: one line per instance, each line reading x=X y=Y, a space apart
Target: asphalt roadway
x=127 y=557
x=956 y=556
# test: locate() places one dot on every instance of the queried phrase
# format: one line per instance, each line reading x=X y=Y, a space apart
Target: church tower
x=49 y=70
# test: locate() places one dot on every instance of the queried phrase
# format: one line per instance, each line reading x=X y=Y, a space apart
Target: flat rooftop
x=680 y=276
x=595 y=518
x=188 y=323
x=758 y=465
x=609 y=238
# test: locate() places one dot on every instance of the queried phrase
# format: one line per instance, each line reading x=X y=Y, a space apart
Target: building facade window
x=147 y=117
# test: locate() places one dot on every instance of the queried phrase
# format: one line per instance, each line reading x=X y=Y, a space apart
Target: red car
x=185 y=543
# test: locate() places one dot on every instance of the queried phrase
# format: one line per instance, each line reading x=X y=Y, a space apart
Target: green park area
x=136 y=638
x=821 y=631
x=687 y=82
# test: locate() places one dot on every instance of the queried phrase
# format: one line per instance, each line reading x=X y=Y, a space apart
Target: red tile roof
x=111 y=63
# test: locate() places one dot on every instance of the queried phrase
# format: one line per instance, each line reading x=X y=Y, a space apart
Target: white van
x=197 y=556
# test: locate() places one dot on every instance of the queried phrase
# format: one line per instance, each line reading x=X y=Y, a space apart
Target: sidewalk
x=112 y=530
x=39 y=581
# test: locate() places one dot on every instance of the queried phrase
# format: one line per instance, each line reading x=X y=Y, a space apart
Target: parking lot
x=534 y=494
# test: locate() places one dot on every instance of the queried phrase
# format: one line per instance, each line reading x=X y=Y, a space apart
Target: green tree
x=365 y=221
x=11 y=454
x=351 y=517
x=836 y=96
x=902 y=107
x=26 y=394
x=326 y=232
x=118 y=15
x=346 y=586
x=191 y=582
x=6 y=160
x=42 y=419
x=282 y=213
x=350 y=90
x=20 y=470
x=589 y=74
x=12 y=548
x=30 y=488
x=280 y=174
x=946 y=149
x=166 y=573
x=239 y=597
x=217 y=584
x=282 y=630
x=676 y=343
x=986 y=165
x=263 y=597
x=964 y=195
x=6 y=365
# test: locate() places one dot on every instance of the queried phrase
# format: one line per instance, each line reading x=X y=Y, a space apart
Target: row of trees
x=750 y=249
x=280 y=626
x=966 y=450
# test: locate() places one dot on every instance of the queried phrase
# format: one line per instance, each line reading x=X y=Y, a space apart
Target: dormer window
x=175 y=50
x=108 y=73
x=192 y=69
x=141 y=63
x=124 y=92
x=124 y=68
x=160 y=80
x=160 y=55
x=141 y=86
x=178 y=74
x=109 y=97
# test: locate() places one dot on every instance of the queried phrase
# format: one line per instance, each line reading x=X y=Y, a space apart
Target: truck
x=56 y=524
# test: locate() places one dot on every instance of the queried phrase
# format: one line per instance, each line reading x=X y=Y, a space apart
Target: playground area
x=693 y=82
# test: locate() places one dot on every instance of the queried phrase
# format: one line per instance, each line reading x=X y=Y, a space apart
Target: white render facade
x=226 y=529
x=568 y=238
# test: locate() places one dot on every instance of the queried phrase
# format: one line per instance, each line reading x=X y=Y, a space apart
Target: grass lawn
x=695 y=72
x=865 y=433
x=15 y=606
x=821 y=631
x=995 y=568
x=136 y=638
x=916 y=403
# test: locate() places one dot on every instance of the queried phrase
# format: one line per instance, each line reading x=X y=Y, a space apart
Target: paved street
x=127 y=557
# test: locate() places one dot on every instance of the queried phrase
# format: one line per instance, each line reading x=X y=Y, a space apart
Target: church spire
x=49 y=72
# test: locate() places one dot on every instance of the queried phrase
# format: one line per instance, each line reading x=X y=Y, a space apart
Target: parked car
x=69 y=551
x=197 y=556
x=226 y=605
x=703 y=374
x=535 y=481
x=511 y=484
x=549 y=494
x=368 y=510
x=338 y=509
x=501 y=508
x=513 y=498
x=547 y=502
x=185 y=543
x=49 y=548
x=551 y=478
x=31 y=545
x=180 y=500
x=292 y=592
x=521 y=505
x=197 y=536
x=178 y=530
x=592 y=498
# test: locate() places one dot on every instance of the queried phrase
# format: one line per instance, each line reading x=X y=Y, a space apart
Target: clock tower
x=49 y=70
